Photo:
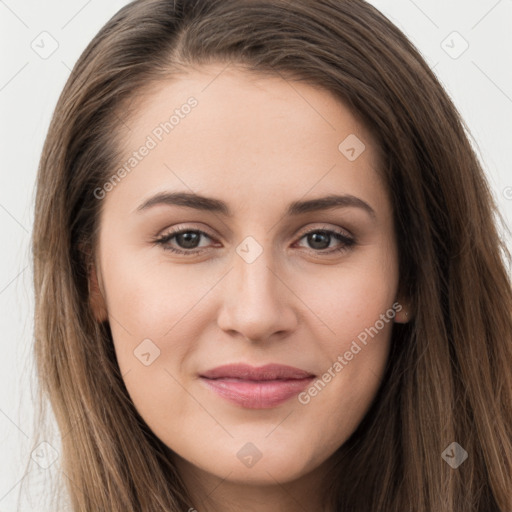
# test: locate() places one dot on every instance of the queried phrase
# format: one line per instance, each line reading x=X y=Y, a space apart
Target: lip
x=252 y=387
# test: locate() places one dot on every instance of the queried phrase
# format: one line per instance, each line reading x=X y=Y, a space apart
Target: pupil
x=316 y=238
x=188 y=239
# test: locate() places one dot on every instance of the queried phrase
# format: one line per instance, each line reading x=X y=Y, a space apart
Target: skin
x=257 y=143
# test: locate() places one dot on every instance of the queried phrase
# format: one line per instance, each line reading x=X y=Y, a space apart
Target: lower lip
x=257 y=394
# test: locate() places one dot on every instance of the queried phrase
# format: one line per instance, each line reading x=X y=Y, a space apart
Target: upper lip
x=247 y=372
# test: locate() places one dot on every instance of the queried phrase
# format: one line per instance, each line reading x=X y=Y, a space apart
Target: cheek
x=357 y=308
x=351 y=299
x=153 y=321
x=156 y=317
x=342 y=394
x=155 y=301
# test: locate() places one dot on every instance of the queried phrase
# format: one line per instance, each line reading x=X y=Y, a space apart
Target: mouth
x=256 y=387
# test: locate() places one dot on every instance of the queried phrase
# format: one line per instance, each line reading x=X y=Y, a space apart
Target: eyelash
x=165 y=239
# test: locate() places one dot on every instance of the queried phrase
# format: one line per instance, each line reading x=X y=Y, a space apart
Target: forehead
x=227 y=131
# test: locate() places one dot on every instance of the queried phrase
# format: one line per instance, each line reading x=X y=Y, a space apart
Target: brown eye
x=187 y=241
x=320 y=239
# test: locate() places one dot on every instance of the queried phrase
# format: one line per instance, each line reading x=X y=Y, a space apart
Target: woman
x=196 y=354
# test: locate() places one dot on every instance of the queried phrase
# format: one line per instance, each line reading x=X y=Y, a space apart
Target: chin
x=257 y=463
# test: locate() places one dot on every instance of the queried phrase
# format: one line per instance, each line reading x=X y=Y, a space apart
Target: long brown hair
x=449 y=376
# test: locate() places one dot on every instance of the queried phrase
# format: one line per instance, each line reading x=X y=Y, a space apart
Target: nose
x=257 y=301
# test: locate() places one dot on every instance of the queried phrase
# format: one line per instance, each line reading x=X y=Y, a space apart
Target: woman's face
x=268 y=272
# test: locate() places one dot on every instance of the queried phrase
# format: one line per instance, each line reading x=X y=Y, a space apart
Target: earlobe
x=403 y=317
x=403 y=313
x=96 y=299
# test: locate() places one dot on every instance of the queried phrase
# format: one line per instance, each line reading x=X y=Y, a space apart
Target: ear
x=403 y=311
x=96 y=297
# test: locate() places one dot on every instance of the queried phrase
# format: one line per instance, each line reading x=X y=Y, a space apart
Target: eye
x=320 y=240
x=188 y=241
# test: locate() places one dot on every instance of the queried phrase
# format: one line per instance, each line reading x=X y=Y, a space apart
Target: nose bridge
x=255 y=278
x=256 y=302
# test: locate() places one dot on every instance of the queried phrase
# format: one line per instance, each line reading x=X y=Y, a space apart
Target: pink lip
x=256 y=388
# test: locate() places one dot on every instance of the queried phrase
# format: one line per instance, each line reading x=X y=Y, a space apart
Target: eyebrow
x=208 y=204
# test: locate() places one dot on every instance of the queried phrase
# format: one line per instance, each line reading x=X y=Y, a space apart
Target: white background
x=479 y=82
